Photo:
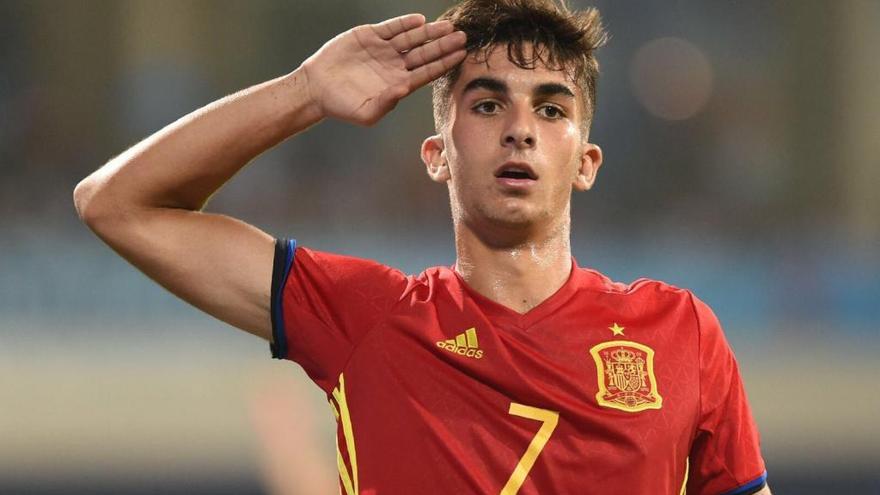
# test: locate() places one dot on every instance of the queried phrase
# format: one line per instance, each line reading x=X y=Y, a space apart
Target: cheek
x=470 y=148
x=572 y=130
x=470 y=134
x=561 y=136
x=566 y=148
x=571 y=136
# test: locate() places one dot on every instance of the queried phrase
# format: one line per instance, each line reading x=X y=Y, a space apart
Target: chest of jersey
x=598 y=393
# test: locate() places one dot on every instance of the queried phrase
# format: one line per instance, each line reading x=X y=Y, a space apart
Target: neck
x=518 y=273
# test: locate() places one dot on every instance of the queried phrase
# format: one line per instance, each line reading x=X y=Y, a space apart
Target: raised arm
x=147 y=203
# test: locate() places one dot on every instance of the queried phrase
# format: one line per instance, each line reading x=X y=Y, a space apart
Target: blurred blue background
x=742 y=147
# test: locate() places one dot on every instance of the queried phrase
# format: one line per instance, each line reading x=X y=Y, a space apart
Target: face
x=513 y=147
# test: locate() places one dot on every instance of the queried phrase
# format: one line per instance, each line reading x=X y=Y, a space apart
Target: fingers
x=434 y=50
x=412 y=38
x=429 y=49
x=427 y=73
x=392 y=27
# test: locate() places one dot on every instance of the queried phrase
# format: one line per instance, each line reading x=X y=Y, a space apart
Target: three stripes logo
x=464 y=344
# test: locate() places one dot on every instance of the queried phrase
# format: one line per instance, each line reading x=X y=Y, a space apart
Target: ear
x=591 y=160
x=434 y=156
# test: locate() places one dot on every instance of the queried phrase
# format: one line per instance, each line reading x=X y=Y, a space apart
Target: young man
x=515 y=371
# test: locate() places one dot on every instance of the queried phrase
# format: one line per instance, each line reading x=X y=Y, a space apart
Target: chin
x=513 y=216
x=508 y=214
x=511 y=223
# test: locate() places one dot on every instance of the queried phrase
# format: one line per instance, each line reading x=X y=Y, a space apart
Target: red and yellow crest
x=626 y=376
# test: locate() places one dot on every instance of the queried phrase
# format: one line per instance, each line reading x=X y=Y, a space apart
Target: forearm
x=183 y=164
x=145 y=203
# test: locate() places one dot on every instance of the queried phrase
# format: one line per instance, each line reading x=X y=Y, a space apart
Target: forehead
x=497 y=65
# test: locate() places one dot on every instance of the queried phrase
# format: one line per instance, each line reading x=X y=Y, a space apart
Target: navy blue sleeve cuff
x=284 y=252
x=751 y=487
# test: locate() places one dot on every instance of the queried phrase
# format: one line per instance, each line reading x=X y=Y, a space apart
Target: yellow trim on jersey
x=684 y=484
x=342 y=414
x=343 y=473
x=340 y=462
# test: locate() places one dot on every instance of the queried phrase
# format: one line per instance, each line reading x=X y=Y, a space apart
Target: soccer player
x=515 y=370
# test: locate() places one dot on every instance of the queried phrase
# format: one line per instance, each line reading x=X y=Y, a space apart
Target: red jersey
x=603 y=388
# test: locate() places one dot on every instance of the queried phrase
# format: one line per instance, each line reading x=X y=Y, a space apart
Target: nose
x=520 y=130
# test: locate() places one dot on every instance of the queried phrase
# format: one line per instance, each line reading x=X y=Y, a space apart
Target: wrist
x=304 y=107
x=302 y=82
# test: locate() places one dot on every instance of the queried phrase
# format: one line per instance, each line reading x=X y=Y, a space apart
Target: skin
x=147 y=202
x=513 y=247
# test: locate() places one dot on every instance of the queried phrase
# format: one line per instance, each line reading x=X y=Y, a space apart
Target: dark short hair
x=562 y=39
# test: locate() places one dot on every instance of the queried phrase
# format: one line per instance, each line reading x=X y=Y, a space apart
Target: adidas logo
x=464 y=344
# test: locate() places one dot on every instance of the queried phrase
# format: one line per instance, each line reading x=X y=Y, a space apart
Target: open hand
x=360 y=75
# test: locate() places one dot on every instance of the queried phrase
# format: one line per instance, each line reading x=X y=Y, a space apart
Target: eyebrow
x=491 y=84
x=553 y=89
x=497 y=86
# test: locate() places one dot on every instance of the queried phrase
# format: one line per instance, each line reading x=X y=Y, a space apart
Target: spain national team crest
x=626 y=376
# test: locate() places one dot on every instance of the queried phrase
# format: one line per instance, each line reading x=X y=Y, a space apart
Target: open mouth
x=516 y=171
x=514 y=174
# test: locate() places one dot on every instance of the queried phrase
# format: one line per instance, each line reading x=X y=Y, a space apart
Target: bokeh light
x=672 y=78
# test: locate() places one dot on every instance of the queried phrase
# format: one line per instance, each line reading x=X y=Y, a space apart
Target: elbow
x=80 y=192
x=92 y=204
x=83 y=196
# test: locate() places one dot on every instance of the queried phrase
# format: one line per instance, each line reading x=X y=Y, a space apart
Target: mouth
x=516 y=171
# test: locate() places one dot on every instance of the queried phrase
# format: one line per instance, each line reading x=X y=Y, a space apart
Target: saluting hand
x=360 y=75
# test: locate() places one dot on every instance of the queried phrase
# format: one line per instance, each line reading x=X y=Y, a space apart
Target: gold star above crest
x=616 y=329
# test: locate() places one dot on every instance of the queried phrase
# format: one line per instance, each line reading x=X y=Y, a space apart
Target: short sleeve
x=323 y=304
x=725 y=457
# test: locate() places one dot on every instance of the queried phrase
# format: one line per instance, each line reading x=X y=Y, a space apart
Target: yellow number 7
x=550 y=420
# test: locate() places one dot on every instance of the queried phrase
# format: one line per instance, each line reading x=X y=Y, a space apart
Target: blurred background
x=741 y=143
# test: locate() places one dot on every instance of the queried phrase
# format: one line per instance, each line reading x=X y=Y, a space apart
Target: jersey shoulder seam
x=614 y=287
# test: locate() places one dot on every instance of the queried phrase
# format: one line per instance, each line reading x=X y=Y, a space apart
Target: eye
x=551 y=112
x=486 y=107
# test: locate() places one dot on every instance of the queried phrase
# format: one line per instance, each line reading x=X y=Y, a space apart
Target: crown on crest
x=623 y=356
